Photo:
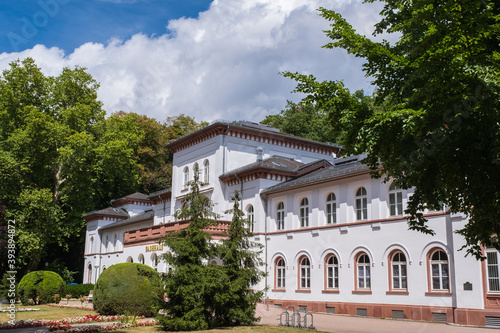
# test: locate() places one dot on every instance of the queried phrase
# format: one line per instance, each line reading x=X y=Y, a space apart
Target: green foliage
x=188 y=282
x=40 y=287
x=235 y=303
x=78 y=290
x=303 y=120
x=434 y=122
x=60 y=268
x=128 y=288
x=206 y=296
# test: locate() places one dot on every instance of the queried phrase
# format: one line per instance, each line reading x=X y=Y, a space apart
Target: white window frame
x=395 y=200
x=304 y=213
x=363 y=270
x=280 y=278
x=441 y=265
x=206 y=172
x=186 y=177
x=251 y=217
x=493 y=270
x=361 y=204
x=332 y=272
x=280 y=216
x=331 y=208
x=399 y=271
x=305 y=273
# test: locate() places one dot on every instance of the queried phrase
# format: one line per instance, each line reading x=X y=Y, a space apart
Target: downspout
x=265 y=251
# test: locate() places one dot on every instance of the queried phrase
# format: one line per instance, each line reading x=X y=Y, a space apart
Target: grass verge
x=47 y=312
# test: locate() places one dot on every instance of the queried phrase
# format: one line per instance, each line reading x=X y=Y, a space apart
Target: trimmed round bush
x=128 y=288
x=40 y=287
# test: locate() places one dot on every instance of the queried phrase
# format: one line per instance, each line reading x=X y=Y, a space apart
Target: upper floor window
x=114 y=243
x=154 y=261
x=493 y=270
x=363 y=271
x=305 y=273
x=279 y=282
x=395 y=200
x=250 y=217
x=91 y=245
x=439 y=270
x=280 y=216
x=331 y=209
x=186 y=177
x=398 y=265
x=332 y=272
x=107 y=245
x=141 y=258
x=361 y=204
x=206 y=172
x=304 y=212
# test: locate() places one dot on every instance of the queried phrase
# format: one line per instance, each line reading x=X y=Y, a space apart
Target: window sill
x=305 y=291
x=438 y=293
x=330 y=291
x=279 y=290
x=397 y=292
x=362 y=292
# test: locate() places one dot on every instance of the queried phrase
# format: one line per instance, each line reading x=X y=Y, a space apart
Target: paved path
x=352 y=324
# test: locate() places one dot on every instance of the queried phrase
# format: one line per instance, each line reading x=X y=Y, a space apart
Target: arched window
x=114 y=243
x=91 y=245
x=280 y=274
x=398 y=271
x=439 y=269
x=196 y=169
x=154 y=261
x=304 y=212
x=280 y=216
x=332 y=272
x=129 y=259
x=331 y=209
x=186 y=178
x=395 y=200
x=89 y=277
x=363 y=271
x=361 y=204
x=305 y=273
x=206 y=172
x=492 y=269
x=103 y=268
x=107 y=245
x=141 y=259
x=250 y=217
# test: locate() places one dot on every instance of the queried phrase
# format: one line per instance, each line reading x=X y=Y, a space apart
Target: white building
x=334 y=239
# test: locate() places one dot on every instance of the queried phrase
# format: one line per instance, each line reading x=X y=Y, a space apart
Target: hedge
x=78 y=290
x=128 y=288
x=39 y=287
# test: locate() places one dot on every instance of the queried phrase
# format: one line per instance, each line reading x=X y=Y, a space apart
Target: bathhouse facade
x=335 y=240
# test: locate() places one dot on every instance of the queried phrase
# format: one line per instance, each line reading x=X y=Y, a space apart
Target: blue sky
x=211 y=60
x=67 y=24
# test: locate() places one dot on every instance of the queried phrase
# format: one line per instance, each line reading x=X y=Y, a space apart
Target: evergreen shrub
x=78 y=290
x=128 y=288
x=40 y=287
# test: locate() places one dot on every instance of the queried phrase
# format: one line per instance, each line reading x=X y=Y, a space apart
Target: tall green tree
x=304 y=120
x=59 y=158
x=441 y=133
x=188 y=284
x=235 y=303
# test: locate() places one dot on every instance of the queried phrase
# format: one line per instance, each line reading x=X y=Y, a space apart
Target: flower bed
x=65 y=324
x=20 y=310
x=71 y=307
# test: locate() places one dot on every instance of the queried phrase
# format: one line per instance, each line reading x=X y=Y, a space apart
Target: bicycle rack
x=295 y=319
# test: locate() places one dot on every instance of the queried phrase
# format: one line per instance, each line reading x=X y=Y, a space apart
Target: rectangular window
x=493 y=276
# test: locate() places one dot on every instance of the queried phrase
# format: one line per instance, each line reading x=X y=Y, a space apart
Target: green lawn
x=54 y=313
x=244 y=329
x=47 y=312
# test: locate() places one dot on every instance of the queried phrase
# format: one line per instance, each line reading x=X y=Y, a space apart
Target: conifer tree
x=241 y=259
x=187 y=284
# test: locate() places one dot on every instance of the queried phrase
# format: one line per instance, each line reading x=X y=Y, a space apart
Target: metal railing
x=295 y=319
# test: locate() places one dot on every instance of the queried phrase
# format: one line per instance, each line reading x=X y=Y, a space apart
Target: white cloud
x=222 y=65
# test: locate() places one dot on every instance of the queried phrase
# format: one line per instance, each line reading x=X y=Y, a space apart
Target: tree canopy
x=434 y=124
x=60 y=157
